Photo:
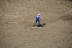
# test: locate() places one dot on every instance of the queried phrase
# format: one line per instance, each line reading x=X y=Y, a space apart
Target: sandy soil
x=18 y=16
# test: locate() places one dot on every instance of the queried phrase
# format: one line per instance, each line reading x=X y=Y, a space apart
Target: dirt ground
x=18 y=16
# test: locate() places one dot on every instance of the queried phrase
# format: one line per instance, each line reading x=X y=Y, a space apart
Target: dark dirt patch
x=66 y=18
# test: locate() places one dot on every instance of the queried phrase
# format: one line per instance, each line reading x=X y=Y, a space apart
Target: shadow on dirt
x=41 y=25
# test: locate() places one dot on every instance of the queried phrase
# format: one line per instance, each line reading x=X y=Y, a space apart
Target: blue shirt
x=38 y=17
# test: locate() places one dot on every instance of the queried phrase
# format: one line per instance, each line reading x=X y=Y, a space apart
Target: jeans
x=37 y=21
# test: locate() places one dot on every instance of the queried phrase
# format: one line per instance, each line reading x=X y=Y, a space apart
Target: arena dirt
x=18 y=16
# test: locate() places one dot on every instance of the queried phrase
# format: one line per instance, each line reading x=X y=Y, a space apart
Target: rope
x=64 y=14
